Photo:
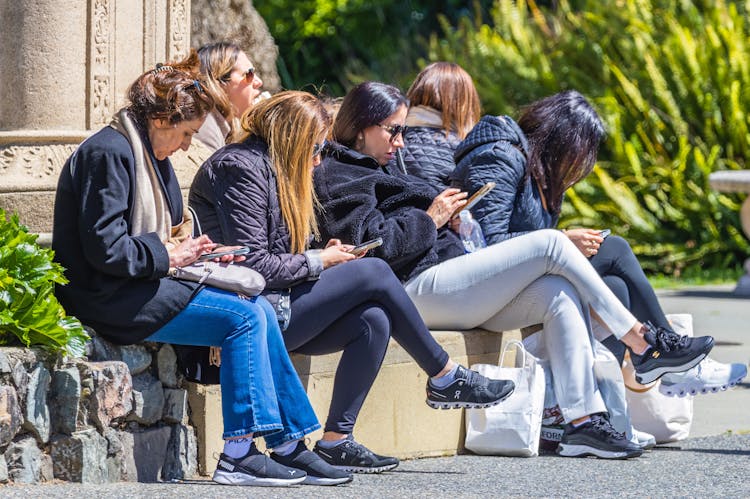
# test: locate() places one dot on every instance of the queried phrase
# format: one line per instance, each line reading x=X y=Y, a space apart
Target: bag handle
x=518 y=345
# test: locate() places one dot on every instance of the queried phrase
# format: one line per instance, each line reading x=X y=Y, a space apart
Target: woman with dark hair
x=235 y=84
x=119 y=227
x=554 y=146
x=259 y=193
x=540 y=277
x=444 y=107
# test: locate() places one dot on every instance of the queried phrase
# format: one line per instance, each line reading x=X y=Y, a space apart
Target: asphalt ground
x=713 y=462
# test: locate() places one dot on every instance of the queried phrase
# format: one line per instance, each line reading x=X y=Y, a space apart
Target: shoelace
x=473 y=378
x=602 y=423
x=666 y=340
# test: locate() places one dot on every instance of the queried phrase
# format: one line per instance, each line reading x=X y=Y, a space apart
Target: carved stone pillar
x=66 y=66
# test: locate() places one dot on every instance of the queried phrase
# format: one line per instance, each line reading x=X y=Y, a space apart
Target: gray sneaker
x=255 y=469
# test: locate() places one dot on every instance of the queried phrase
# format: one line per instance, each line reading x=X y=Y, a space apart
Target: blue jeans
x=260 y=390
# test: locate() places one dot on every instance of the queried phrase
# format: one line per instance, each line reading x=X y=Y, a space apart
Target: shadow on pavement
x=726 y=452
x=707 y=293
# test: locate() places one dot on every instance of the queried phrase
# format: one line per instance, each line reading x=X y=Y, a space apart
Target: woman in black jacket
x=537 y=278
x=533 y=162
x=258 y=193
x=119 y=227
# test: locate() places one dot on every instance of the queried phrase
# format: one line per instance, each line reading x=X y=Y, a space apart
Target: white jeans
x=537 y=278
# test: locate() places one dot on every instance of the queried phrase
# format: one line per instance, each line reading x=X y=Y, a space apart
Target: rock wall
x=239 y=22
x=119 y=415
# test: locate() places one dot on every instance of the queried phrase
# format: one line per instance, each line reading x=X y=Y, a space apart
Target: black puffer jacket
x=362 y=201
x=235 y=197
x=495 y=150
x=428 y=154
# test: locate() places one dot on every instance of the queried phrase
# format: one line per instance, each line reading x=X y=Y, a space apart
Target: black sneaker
x=597 y=438
x=351 y=455
x=318 y=471
x=669 y=353
x=470 y=389
x=255 y=469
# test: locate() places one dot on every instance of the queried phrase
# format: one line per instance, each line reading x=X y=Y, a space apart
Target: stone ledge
x=394 y=419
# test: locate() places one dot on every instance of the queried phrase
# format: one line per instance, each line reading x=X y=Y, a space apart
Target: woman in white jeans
x=539 y=278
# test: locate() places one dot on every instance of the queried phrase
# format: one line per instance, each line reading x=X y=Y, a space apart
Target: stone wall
x=121 y=415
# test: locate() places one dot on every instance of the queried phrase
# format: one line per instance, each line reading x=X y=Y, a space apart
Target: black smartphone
x=210 y=256
x=605 y=232
x=365 y=247
x=474 y=198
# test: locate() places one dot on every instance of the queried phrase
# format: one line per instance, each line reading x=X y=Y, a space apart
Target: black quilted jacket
x=362 y=201
x=495 y=150
x=428 y=154
x=235 y=197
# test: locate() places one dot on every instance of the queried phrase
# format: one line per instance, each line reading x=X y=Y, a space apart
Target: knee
x=372 y=274
x=617 y=245
x=377 y=323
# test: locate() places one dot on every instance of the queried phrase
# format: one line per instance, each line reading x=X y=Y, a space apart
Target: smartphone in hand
x=605 y=232
x=365 y=247
x=474 y=198
x=210 y=256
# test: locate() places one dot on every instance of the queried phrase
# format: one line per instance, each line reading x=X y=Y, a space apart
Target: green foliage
x=333 y=44
x=671 y=79
x=29 y=312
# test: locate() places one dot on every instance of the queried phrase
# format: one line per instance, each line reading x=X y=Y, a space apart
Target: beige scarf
x=150 y=211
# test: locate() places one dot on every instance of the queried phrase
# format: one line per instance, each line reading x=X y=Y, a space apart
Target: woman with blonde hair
x=235 y=85
x=443 y=108
x=259 y=193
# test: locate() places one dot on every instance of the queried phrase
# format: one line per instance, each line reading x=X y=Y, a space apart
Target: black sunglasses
x=394 y=130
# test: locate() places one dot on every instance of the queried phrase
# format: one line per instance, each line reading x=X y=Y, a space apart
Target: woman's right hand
x=445 y=205
x=336 y=253
x=586 y=240
x=189 y=250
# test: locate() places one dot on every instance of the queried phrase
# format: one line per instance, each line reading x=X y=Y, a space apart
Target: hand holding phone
x=474 y=199
x=218 y=254
x=366 y=246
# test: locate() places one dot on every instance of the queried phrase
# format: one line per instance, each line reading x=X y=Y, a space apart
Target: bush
x=30 y=315
x=671 y=79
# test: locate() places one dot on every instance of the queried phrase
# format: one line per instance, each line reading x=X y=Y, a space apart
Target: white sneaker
x=642 y=439
x=708 y=376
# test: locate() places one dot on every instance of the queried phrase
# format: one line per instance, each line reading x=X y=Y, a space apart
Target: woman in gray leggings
x=531 y=279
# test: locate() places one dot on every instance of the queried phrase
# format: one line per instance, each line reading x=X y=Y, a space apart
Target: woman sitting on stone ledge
x=119 y=226
x=259 y=193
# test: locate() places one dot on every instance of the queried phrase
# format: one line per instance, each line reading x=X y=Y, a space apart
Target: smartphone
x=365 y=247
x=474 y=198
x=210 y=256
x=605 y=232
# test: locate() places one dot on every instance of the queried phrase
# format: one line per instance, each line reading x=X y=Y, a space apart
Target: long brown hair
x=291 y=123
x=217 y=62
x=564 y=132
x=446 y=87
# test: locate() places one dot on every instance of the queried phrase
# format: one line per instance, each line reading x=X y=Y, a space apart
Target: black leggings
x=356 y=307
x=616 y=263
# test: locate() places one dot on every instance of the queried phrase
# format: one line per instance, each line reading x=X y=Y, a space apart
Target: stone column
x=66 y=66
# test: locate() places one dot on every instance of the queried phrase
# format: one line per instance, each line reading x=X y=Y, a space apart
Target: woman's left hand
x=586 y=240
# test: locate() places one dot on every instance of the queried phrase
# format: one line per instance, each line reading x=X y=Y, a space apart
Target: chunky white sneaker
x=707 y=377
x=642 y=439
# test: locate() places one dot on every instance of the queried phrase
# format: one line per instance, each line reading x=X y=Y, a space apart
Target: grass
x=696 y=277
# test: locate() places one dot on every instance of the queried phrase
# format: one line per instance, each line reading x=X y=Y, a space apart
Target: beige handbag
x=236 y=278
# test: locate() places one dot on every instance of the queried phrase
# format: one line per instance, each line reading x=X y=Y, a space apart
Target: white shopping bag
x=511 y=428
x=666 y=418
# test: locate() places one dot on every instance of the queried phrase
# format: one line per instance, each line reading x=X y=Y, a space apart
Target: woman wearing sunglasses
x=233 y=81
x=537 y=278
x=259 y=193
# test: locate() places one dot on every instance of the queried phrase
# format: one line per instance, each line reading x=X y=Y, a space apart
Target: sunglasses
x=318 y=148
x=248 y=75
x=394 y=130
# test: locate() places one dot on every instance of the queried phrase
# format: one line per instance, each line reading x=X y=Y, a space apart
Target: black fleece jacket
x=362 y=201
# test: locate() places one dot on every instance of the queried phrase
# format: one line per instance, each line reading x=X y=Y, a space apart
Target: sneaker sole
x=227 y=478
x=685 y=389
x=572 y=450
x=436 y=404
x=654 y=374
x=315 y=480
x=366 y=469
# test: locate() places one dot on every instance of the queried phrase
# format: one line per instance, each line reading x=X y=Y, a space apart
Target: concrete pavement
x=714 y=462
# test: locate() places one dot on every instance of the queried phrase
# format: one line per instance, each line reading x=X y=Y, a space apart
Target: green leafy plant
x=671 y=79
x=30 y=314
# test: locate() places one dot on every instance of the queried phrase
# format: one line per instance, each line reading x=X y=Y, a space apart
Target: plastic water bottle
x=470 y=232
